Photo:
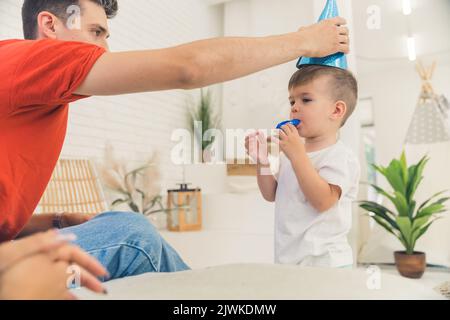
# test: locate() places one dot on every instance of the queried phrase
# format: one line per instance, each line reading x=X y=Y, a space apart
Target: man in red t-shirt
x=65 y=58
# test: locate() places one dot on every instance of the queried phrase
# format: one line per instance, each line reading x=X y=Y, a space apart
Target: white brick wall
x=138 y=124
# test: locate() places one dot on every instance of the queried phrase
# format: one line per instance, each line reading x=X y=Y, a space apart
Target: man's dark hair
x=32 y=8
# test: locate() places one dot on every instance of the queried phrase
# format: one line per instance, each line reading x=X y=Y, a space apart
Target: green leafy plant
x=137 y=198
x=203 y=113
x=407 y=222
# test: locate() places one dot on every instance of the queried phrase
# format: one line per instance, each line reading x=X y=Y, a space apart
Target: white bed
x=272 y=282
x=231 y=259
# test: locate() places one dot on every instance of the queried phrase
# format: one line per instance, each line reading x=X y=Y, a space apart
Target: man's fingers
x=90 y=216
x=343 y=31
x=74 y=254
x=343 y=39
x=70 y=296
x=75 y=219
x=338 y=21
x=17 y=250
x=77 y=275
x=38 y=243
x=89 y=268
x=345 y=48
x=90 y=282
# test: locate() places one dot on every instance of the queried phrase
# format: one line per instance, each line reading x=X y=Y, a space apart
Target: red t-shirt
x=37 y=81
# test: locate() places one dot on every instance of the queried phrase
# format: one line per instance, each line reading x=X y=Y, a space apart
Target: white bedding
x=271 y=282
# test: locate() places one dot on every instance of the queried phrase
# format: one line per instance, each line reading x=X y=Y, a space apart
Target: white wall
x=137 y=124
x=261 y=99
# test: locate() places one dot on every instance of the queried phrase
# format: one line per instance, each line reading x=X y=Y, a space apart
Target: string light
x=412 y=49
x=407 y=7
x=411 y=41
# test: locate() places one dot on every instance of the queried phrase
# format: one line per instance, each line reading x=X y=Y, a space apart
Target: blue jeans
x=127 y=244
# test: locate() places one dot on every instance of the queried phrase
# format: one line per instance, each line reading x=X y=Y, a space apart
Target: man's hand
x=35 y=278
x=290 y=142
x=12 y=252
x=45 y=222
x=75 y=219
x=37 y=268
x=256 y=147
x=325 y=38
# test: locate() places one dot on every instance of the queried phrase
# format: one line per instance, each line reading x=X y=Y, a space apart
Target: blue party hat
x=337 y=60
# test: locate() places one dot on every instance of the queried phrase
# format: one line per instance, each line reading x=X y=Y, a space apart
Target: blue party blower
x=337 y=60
x=294 y=122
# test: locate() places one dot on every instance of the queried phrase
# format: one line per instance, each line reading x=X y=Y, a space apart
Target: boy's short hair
x=343 y=85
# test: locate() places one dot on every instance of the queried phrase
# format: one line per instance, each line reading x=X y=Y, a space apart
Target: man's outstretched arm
x=207 y=62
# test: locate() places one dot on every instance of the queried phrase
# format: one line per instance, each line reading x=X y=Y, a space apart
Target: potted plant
x=139 y=188
x=203 y=114
x=408 y=222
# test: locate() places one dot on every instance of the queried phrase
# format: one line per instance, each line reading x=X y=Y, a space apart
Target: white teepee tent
x=430 y=123
x=429 y=133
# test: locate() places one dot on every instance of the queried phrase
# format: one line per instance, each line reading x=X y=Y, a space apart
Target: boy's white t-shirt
x=303 y=236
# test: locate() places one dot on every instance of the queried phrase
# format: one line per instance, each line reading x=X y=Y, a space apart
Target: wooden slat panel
x=74 y=187
x=241 y=170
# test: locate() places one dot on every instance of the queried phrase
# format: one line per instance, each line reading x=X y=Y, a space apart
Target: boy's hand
x=290 y=142
x=256 y=147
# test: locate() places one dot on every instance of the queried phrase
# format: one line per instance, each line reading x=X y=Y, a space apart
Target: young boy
x=318 y=175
